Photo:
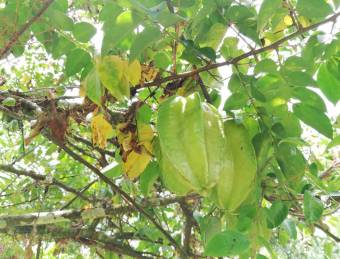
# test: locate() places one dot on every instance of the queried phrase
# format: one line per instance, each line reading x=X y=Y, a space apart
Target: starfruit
x=234 y=186
x=194 y=151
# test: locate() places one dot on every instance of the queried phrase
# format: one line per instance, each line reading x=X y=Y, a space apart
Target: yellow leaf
x=134 y=72
x=136 y=163
x=101 y=130
x=304 y=21
x=288 y=20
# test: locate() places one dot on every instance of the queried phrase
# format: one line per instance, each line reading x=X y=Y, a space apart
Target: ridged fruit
x=194 y=152
x=234 y=186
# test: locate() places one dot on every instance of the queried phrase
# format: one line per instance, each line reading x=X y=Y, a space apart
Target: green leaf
x=276 y=214
x=209 y=227
x=329 y=84
x=214 y=36
x=313 y=9
x=9 y=101
x=309 y=97
x=267 y=11
x=161 y=14
x=76 y=60
x=334 y=143
x=266 y=66
x=236 y=101
x=83 y=31
x=117 y=30
x=312 y=207
x=149 y=177
x=238 y=13
x=110 y=11
x=297 y=78
x=290 y=227
x=113 y=170
x=229 y=48
x=144 y=114
x=60 y=5
x=314 y=118
x=291 y=162
x=62 y=46
x=294 y=63
x=227 y=243
x=59 y=20
x=162 y=60
x=94 y=89
x=144 y=39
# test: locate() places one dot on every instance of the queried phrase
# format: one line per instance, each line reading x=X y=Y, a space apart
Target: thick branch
x=23 y=29
x=46 y=218
x=84 y=236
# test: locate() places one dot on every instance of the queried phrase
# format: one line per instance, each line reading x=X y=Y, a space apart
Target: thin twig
x=23 y=29
x=240 y=57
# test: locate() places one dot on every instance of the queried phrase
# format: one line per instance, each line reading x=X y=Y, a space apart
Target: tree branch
x=119 y=191
x=235 y=60
x=39 y=177
x=23 y=29
x=326 y=231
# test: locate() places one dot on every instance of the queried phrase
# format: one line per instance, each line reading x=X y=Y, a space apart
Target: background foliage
x=81 y=82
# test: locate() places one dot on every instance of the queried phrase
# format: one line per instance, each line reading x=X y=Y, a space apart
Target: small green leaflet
x=144 y=39
x=314 y=118
x=236 y=101
x=113 y=170
x=148 y=177
x=265 y=66
x=9 y=101
x=94 y=89
x=276 y=214
x=312 y=207
x=313 y=9
x=209 y=227
x=83 y=31
x=334 y=143
x=329 y=84
x=116 y=31
x=76 y=60
x=227 y=243
x=267 y=11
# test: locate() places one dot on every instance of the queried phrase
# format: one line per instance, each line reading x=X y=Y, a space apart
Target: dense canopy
x=169 y=128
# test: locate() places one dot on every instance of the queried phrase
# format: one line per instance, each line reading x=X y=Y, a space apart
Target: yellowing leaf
x=145 y=136
x=134 y=72
x=145 y=132
x=101 y=130
x=111 y=71
x=304 y=21
x=136 y=163
x=288 y=20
